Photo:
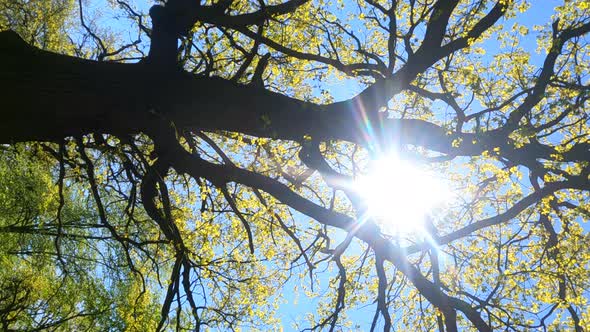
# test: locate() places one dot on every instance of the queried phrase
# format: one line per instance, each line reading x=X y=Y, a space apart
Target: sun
x=399 y=195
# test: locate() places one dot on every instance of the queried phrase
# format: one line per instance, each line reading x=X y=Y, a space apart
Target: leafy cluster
x=186 y=165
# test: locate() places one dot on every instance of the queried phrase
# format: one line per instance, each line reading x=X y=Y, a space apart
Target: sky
x=538 y=14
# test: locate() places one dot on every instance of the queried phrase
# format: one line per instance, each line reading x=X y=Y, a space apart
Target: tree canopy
x=195 y=165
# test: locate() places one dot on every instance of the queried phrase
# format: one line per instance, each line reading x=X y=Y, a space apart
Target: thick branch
x=46 y=96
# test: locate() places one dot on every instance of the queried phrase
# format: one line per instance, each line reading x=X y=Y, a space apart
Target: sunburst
x=399 y=195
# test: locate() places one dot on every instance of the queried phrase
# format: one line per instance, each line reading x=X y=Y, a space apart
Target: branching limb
x=381 y=296
x=234 y=207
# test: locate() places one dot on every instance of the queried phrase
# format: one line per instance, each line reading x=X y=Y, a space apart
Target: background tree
x=185 y=182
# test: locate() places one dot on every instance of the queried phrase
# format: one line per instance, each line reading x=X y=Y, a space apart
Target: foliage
x=204 y=186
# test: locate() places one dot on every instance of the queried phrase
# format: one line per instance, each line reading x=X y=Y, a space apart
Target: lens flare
x=400 y=195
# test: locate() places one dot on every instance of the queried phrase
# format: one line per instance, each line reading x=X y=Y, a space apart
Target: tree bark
x=47 y=96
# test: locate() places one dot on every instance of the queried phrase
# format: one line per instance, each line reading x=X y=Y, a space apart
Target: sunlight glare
x=399 y=195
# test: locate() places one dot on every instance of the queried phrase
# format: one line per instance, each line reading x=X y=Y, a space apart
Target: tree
x=199 y=180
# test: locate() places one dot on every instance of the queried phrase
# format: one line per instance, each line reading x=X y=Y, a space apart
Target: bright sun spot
x=399 y=195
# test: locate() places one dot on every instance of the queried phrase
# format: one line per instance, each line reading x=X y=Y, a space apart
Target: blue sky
x=538 y=14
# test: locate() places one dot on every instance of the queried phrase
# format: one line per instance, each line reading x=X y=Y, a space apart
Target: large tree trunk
x=47 y=96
